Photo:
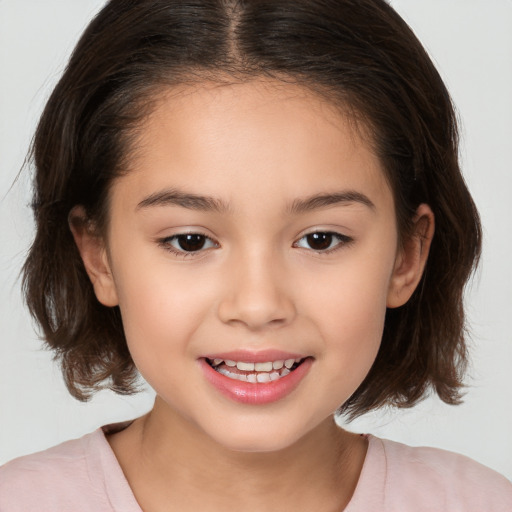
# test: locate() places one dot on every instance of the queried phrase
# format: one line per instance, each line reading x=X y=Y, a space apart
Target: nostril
x=256 y=314
x=256 y=296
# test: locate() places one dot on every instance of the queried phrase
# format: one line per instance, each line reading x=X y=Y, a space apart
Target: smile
x=253 y=372
x=256 y=379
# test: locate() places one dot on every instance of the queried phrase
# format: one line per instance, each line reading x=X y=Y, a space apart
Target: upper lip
x=261 y=356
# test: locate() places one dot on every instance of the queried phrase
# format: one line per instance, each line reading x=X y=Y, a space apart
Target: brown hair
x=357 y=53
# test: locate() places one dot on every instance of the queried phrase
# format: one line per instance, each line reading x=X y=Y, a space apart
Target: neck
x=166 y=458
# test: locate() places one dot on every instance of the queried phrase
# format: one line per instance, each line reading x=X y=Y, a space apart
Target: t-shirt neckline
x=369 y=486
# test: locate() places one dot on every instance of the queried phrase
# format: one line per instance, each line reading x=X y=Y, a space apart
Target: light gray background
x=471 y=42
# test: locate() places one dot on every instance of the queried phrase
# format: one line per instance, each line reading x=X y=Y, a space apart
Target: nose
x=257 y=294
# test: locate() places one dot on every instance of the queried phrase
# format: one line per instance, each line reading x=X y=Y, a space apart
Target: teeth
x=263 y=367
x=265 y=372
x=263 y=377
x=248 y=367
x=223 y=371
x=259 y=367
x=254 y=377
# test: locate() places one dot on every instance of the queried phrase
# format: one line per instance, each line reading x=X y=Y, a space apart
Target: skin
x=257 y=148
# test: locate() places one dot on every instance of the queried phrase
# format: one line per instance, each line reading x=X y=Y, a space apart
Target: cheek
x=352 y=326
x=160 y=307
x=352 y=296
x=352 y=336
x=350 y=317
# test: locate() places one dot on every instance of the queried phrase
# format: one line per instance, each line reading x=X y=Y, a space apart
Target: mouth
x=256 y=379
x=255 y=372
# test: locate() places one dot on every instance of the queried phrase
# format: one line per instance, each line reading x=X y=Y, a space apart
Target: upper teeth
x=259 y=367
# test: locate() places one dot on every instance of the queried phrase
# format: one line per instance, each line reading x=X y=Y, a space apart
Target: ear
x=412 y=258
x=92 y=249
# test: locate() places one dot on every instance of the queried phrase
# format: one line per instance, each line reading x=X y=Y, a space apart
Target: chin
x=258 y=437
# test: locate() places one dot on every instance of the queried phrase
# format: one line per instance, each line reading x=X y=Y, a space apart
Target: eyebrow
x=325 y=200
x=173 y=197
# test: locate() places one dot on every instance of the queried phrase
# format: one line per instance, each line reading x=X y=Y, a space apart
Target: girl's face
x=253 y=228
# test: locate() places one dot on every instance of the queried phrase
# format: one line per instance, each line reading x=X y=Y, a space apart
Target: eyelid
x=343 y=241
x=165 y=243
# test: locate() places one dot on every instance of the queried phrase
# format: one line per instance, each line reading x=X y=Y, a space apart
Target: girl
x=258 y=206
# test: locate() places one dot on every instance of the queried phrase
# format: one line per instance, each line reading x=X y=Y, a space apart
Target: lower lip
x=259 y=393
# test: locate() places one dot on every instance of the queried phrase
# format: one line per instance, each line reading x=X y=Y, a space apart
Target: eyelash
x=167 y=241
x=342 y=241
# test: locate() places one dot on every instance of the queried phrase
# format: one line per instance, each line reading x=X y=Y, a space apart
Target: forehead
x=240 y=141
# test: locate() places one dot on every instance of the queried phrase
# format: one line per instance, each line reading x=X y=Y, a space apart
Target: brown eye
x=319 y=241
x=191 y=243
x=323 y=241
x=187 y=243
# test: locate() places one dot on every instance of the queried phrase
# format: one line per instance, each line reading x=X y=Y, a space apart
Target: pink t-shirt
x=83 y=475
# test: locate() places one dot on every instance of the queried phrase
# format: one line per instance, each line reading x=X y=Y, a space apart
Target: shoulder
x=442 y=480
x=54 y=479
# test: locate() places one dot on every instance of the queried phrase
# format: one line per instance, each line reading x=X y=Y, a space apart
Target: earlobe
x=411 y=260
x=94 y=256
